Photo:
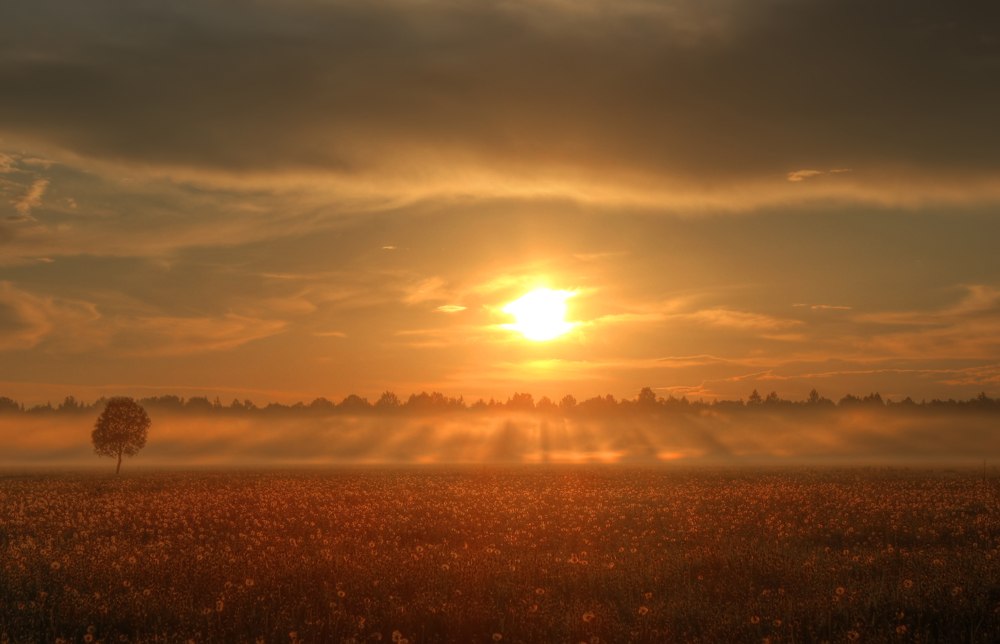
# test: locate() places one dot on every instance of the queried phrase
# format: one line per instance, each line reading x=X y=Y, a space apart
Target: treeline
x=647 y=401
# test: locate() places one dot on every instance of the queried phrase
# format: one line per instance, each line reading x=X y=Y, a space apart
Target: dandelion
x=341 y=594
x=907 y=584
x=55 y=565
x=643 y=610
x=840 y=591
x=588 y=617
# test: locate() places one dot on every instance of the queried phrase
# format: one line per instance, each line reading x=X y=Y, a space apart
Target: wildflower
x=643 y=610
x=341 y=594
x=497 y=637
x=648 y=595
x=219 y=605
x=777 y=623
x=853 y=635
x=840 y=590
x=755 y=619
x=396 y=636
x=588 y=617
x=55 y=565
x=248 y=582
x=901 y=629
x=539 y=591
x=907 y=583
x=956 y=591
x=88 y=638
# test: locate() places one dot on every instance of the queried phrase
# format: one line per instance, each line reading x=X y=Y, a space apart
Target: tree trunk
x=119 y=468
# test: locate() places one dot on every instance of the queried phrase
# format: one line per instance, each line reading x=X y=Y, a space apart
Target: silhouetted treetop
x=645 y=402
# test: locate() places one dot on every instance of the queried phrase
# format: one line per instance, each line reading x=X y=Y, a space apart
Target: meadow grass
x=510 y=554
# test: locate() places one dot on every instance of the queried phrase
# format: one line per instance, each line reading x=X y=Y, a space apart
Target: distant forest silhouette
x=646 y=402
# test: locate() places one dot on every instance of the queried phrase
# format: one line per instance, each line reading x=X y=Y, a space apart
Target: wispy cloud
x=28 y=319
x=175 y=336
x=799 y=176
x=32 y=198
x=734 y=319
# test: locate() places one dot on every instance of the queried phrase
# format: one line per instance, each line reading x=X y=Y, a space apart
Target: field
x=510 y=554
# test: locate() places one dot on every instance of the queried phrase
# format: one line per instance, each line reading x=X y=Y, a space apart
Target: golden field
x=501 y=554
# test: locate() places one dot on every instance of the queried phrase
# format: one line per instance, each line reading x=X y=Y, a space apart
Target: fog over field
x=835 y=436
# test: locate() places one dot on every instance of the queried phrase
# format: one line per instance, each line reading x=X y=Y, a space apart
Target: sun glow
x=540 y=315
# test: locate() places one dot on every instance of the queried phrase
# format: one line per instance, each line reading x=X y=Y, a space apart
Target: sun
x=540 y=315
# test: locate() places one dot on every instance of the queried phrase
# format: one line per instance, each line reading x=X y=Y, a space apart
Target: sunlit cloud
x=733 y=319
x=32 y=198
x=27 y=319
x=490 y=125
x=428 y=289
x=330 y=334
x=174 y=336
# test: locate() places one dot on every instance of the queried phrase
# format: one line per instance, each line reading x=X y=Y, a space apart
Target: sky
x=281 y=200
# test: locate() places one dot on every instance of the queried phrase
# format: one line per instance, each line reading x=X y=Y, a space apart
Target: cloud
x=24 y=319
x=7 y=163
x=450 y=308
x=823 y=307
x=802 y=175
x=32 y=198
x=799 y=176
x=731 y=319
x=27 y=320
x=609 y=101
x=173 y=336
x=330 y=334
x=427 y=289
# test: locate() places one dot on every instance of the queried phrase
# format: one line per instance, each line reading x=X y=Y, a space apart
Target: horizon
x=518 y=399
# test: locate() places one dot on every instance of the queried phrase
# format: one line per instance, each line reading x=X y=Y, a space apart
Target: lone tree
x=120 y=429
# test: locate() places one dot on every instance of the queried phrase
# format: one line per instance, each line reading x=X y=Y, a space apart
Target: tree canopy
x=121 y=429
